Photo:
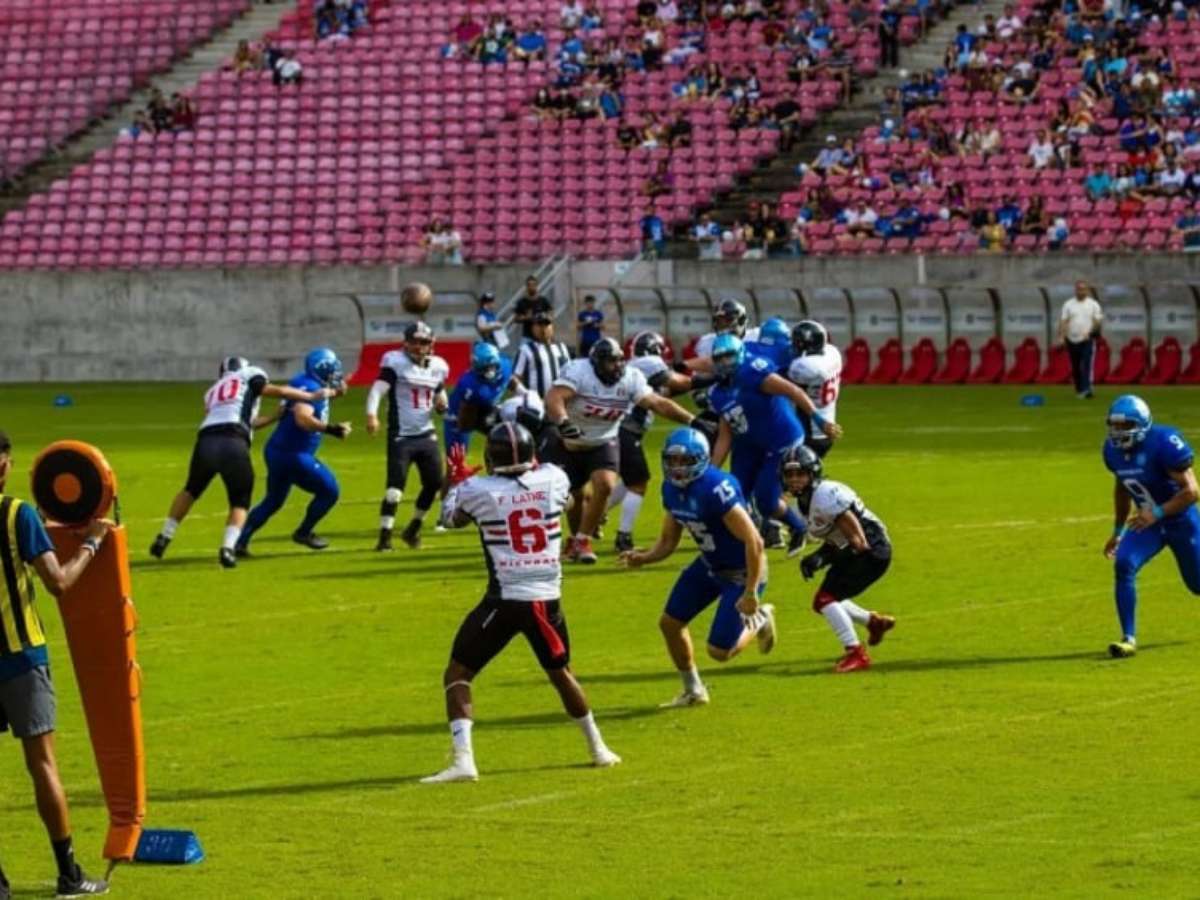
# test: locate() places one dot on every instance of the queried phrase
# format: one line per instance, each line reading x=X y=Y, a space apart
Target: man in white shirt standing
x=1078 y=328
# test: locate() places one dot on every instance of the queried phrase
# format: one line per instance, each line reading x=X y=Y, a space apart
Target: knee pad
x=392 y=495
x=822 y=600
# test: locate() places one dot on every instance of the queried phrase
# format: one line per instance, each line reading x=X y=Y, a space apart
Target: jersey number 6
x=526 y=533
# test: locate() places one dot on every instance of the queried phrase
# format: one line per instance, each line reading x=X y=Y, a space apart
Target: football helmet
x=418 y=341
x=730 y=315
x=649 y=343
x=809 y=338
x=323 y=365
x=1129 y=421
x=774 y=333
x=685 y=456
x=526 y=410
x=800 y=459
x=608 y=362
x=728 y=353
x=233 y=364
x=509 y=449
x=485 y=362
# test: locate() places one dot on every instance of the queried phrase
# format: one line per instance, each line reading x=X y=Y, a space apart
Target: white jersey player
x=855 y=546
x=729 y=316
x=414 y=382
x=586 y=404
x=223 y=448
x=817 y=369
x=517 y=507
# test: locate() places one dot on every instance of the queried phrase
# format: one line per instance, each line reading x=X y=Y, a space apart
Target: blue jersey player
x=731 y=568
x=757 y=408
x=476 y=396
x=1153 y=469
x=291 y=454
x=774 y=341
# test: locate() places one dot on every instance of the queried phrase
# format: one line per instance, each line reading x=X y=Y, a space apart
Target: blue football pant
x=1180 y=533
x=696 y=589
x=304 y=471
x=758 y=474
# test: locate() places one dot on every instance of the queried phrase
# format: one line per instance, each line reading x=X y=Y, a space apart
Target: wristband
x=91 y=544
x=1119 y=530
x=1158 y=512
x=818 y=419
x=335 y=430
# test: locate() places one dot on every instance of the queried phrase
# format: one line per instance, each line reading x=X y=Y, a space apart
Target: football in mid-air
x=416 y=298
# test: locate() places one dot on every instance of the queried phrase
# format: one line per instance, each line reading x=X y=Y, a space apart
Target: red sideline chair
x=368 y=363
x=1027 y=362
x=891 y=363
x=991 y=363
x=923 y=365
x=857 y=362
x=1191 y=373
x=1168 y=360
x=1102 y=361
x=958 y=363
x=1132 y=365
x=1058 y=367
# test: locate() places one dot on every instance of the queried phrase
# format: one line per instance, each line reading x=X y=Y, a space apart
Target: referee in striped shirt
x=541 y=357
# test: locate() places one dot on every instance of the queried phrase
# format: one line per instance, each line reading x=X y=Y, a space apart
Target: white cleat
x=687 y=698
x=603 y=758
x=462 y=769
x=766 y=631
x=440 y=528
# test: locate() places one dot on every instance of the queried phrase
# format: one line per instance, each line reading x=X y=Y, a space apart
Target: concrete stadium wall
x=175 y=325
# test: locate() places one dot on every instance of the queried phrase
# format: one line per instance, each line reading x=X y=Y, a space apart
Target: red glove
x=456 y=461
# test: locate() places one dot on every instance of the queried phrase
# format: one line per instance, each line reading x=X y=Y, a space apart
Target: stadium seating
x=1102 y=361
x=62 y=64
x=1132 y=364
x=1191 y=372
x=957 y=366
x=1168 y=361
x=857 y=362
x=1058 y=367
x=889 y=364
x=991 y=363
x=1027 y=362
x=923 y=363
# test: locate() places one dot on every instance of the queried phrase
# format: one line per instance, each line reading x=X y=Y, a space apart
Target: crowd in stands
x=339 y=19
x=163 y=116
x=442 y=244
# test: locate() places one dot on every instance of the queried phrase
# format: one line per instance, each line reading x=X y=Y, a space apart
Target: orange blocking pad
x=100 y=620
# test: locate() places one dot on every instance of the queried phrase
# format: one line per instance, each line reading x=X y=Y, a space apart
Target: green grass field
x=993 y=750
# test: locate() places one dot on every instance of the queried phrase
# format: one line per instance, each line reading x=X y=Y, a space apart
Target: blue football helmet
x=774 y=333
x=323 y=365
x=685 y=456
x=1129 y=421
x=485 y=362
x=728 y=353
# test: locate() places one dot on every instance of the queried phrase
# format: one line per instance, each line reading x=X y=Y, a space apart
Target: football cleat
x=624 y=542
x=310 y=540
x=462 y=769
x=583 y=550
x=855 y=660
x=411 y=534
x=795 y=543
x=241 y=552
x=773 y=535
x=1122 y=649
x=159 y=547
x=569 y=553
x=80 y=885
x=385 y=540
x=226 y=558
x=766 y=631
x=602 y=757
x=877 y=627
x=687 y=698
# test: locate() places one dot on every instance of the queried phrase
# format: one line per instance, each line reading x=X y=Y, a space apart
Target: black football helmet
x=509 y=449
x=809 y=338
x=799 y=459
x=608 y=362
x=730 y=315
x=649 y=343
x=233 y=364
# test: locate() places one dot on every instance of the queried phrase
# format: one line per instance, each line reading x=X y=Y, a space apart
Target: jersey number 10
x=222 y=392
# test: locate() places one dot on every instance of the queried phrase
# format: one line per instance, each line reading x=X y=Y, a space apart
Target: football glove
x=458 y=470
x=338 y=430
x=706 y=427
x=813 y=563
x=569 y=430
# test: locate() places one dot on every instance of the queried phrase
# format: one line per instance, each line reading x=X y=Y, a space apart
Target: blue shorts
x=696 y=589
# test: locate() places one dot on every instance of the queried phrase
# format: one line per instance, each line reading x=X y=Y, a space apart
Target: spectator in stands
x=593 y=19
x=443 y=245
x=660 y=182
x=827 y=204
x=859 y=14
x=329 y=24
x=829 y=157
x=679 y=132
x=184 y=114
x=612 y=103
x=493 y=44
x=531 y=304
x=246 y=58
x=162 y=116
x=543 y=104
x=486 y=324
x=1192 y=186
x=654 y=39
x=587 y=105
x=1178 y=99
x=530 y=44
x=785 y=116
x=1008 y=26
x=1058 y=234
x=706 y=234
x=1187 y=227
x=1009 y=215
x=654 y=233
x=802 y=67
x=1124 y=181
x=571 y=15
x=859 y=220
x=465 y=34
x=564 y=104
x=1130 y=206
x=714 y=80
x=645 y=11
x=1035 y=221
x=1022 y=82
x=744 y=114
x=993 y=236
x=889 y=34
x=1041 y=150
x=1171 y=179
x=628 y=137
x=287 y=69
x=140 y=125
x=1098 y=185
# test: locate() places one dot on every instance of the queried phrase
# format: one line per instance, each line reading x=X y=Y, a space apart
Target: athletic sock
x=691 y=680
x=232 y=533
x=630 y=508
x=841 y=623
x=168 y=529
x=460 y=734
x=587 y=724
x=618 y=494
x=419 y=514
x=387 y=523
x=857 y=613
x=793 y=520
x=64 y=855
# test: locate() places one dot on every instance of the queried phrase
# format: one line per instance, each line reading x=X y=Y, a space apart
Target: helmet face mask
x=608 y=362
x=1129 y=422
x=728 y=353
x=730 y=318
x=323 y=366
x=509 y=450
x=485 y=362
x=233 y=364
x=418 y=342
x=800 y=470
x=649 y=343
x=809 y=338
x=685 y=456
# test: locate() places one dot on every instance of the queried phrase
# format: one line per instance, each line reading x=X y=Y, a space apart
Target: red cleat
x=855 y=659
x=569 y=552
x=583 y=550
x=877 y=627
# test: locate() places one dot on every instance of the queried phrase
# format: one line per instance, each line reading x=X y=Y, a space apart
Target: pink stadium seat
x=1168 y=362
x=991 y=363
x=1132 y=364
x=1058 y=367
x=857 y=362
x=923 y=364
x=958 y=363
x=1027 y=361
x=1191 y=372
x=889 y=363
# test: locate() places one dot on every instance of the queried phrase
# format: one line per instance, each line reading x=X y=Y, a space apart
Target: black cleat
x=226 y=558
x=795 y=543
x=624 y=541
x=310 y=540
x=159 y=547
x=411 y=534
x=773 y=535
x=241 y=552
x=80 y=885
x=385 y=540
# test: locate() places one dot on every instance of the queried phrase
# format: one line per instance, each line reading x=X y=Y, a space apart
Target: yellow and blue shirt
x=23 y=539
